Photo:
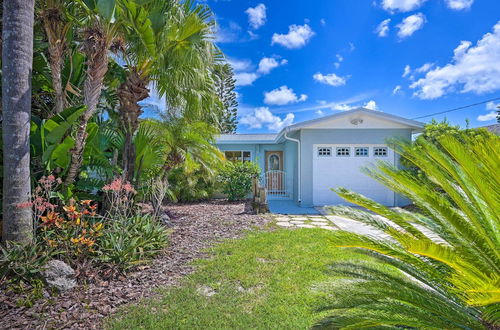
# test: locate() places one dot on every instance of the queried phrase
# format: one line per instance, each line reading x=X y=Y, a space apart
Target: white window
x=238 y=156
x=380 y=151
x=343 y=151
x=324 y=152
x=361 y=151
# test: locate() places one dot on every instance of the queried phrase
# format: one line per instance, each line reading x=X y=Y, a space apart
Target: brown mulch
x=195 y=227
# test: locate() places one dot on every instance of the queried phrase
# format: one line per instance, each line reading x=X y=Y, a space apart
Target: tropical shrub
x=127 y=242
x=450 y=254
x=236 y=179
x=23 y=263
x=120 y=199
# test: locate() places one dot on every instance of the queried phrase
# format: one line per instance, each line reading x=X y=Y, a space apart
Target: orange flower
x=86 y=202
x=52 y=218
x=97 y=226
x=70 y=209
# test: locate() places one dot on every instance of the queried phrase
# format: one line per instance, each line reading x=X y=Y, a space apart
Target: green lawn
x=266 y=280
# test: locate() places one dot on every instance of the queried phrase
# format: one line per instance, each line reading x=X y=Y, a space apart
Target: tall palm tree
x=449 y=253
x=17 y=57
x=169 y=45
x=102 y=27
x=56 y=25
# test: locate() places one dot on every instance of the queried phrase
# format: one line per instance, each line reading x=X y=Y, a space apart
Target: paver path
x=305 y=221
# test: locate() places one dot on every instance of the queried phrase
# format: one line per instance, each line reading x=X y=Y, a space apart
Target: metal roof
x=242 y=138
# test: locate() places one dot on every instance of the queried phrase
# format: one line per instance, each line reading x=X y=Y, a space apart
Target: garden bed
x=194 y=228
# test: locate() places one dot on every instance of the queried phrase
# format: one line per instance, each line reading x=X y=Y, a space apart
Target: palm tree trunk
x=56 y=28
x=130 y=93
x=17 y=60
x=96 y=47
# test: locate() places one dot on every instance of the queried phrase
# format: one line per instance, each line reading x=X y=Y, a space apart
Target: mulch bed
x=195 y=227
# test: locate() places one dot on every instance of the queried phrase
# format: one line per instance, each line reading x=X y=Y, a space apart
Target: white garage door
x=339 y=166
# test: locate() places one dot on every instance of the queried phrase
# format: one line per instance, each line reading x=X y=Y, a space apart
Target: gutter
x=298 y=161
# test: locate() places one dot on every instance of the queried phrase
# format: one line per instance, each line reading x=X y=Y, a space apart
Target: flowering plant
x=120 y=198
x=72 y=228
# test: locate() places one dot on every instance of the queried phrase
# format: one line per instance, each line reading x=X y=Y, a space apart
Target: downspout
x=298 y=162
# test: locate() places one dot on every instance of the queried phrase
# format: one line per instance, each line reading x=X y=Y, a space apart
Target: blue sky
x=298 y=60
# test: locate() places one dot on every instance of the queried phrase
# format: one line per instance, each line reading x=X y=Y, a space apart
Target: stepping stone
x=283 y=219
x=299 y=218
x=328 y=227
x=314 y=223
x=305 y=226
x=284 y=224
x=319 y=220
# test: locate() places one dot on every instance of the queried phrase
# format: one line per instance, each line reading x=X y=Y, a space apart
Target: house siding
x=309 y=137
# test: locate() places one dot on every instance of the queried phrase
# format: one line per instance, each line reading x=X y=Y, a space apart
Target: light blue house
x=303 y=161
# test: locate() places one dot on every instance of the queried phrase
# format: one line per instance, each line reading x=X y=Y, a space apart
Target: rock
x=165 y=219
x=59 y=275
x=206 y=291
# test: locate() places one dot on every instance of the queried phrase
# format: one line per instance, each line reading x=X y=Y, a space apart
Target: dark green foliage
x=448 y=253
x=225 y=84
x=189 y=185
x=236 y=179
x=132 y=241
x=22 y=262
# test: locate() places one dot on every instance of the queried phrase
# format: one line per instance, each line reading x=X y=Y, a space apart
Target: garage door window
x=380 y=152
x=324 y=152
x=361 y=152
x=343 y=151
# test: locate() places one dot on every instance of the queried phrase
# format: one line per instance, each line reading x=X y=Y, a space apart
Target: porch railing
x=275 y=182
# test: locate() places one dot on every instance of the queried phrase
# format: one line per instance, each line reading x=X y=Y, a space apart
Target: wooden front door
x=275 y=176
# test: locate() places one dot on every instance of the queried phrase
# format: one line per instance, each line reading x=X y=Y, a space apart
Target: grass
x=266 y=280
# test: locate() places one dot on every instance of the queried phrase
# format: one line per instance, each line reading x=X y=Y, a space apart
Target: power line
x=459 y=108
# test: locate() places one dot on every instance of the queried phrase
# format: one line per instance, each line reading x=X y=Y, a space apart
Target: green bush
x=130 y=241
x=236 y=179
x=21 y=262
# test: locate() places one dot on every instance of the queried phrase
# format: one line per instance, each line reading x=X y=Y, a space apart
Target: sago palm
x=449 y=253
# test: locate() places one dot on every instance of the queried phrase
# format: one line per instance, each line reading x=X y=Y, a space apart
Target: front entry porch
x=282 y=206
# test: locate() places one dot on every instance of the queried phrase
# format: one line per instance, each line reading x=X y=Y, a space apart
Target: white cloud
x=245 y=78
x=370 y=105
x=492 y=106
x=330 y=79
x=397 y=90
x=263 y=117
x=473 y=69
x=320 y=112
x=283 y=96
x=342 y=107
x=382 y=29
x=267 y=64
x=410 y=25
x=401 y=5
x=239 y=65
x=256 y=16
x=407 y=71
x=459 y=4
x=340 y=59
x=297 y=36
x=492 y=114
x=487 y=117
x=424 y=68
x=322 y=21
x=227 y=34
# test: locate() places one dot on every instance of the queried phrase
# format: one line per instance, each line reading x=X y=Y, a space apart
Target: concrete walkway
x=329 y=222
x=304 y=221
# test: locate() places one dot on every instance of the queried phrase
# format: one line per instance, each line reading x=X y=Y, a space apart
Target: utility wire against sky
x=459 y=108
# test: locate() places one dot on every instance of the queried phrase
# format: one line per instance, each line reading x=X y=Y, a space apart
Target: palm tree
x=56 y=25
x=449 y=253
x=17 y=57
x=102 y=27
x=169 y=45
